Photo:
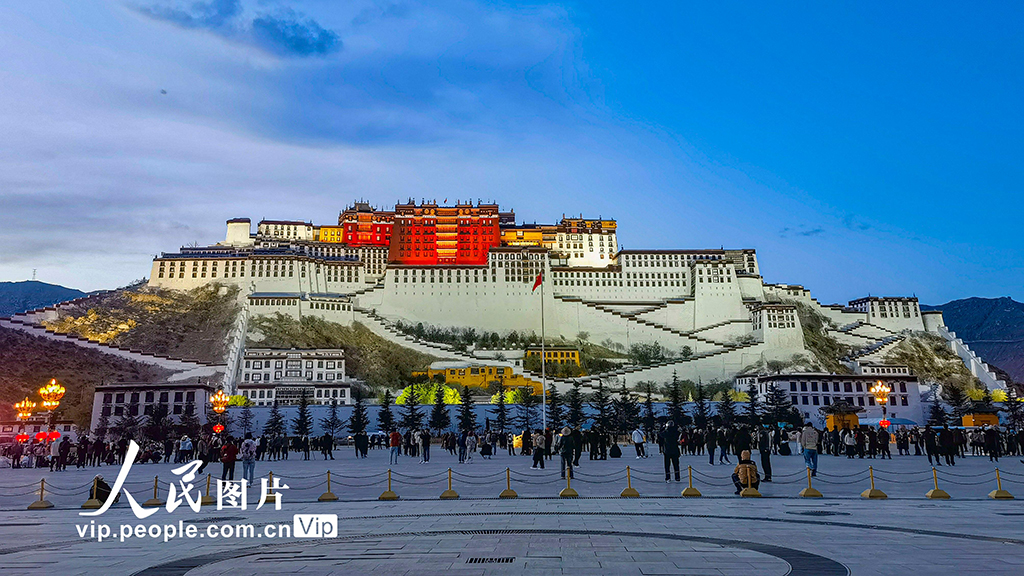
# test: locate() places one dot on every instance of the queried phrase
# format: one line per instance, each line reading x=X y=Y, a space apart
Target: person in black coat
x=670 y=440
x=711 y=442
x=764 y=446
x=947 y=445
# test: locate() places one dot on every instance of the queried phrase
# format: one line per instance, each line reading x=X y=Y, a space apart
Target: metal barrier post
x=449 y=494
x=328 y=496
x=690 y=491
x=93 y=503
x=568 y=492
x=999 y=493
x=208 y=500
x=810 y=491
x=388 y=494
x=42 y=503
x=936 y=493
x=872 y=493
x=629 y=491
x=508 y=492
x=155 y=500
x=749 y=491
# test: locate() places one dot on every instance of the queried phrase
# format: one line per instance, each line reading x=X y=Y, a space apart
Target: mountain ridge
x=27 y=295
x=992 y=327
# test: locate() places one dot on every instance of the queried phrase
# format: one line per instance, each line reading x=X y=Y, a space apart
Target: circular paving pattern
x=509 y=552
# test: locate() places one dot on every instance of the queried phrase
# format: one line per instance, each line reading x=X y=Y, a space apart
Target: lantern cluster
x=881 y=392
x=220 y=401
x=24 y=409
x=51 y=395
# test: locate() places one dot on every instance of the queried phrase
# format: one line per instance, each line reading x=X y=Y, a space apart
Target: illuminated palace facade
x=472 y=265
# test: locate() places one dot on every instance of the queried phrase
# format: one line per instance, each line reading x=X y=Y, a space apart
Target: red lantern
x=22 y=437
x=53 y=435
x=884 y=424
x=40 y=436
x=218 y=428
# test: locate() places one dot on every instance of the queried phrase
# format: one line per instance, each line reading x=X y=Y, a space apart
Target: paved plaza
x=539 y=533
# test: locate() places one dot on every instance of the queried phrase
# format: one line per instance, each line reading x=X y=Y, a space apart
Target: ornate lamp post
x=881 y=393
x=51 y=395
x=220 y=401
x=24 y=409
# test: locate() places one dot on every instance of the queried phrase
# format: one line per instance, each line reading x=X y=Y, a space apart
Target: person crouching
x=745 y=473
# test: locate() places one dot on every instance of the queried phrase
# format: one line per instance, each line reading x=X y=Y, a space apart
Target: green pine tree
x=1014 y=408
x=302 y=424
x=275 y=423
x=575 y=415
x=440 y=419
x=526 y=408
x=601 y=406
x=650 y=415
x=466 y=417
x=777 y=405
x=675 y=405
x=957 y=400
x=358 y=422
x=188 y=422
x=385 y=418
x=556 y=411
x=412 y=416
x=247 y=421
x=500 y=410
x=626 y=410
x=726 y=409
x=701 y=412
x=332 y=424
x=752 y=413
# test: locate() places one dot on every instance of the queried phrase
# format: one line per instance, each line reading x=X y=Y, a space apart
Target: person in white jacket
x=638 y=443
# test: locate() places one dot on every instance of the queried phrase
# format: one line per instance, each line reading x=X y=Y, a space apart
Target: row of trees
x=961 y=403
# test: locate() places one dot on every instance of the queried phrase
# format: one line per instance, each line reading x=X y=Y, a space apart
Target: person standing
x=883 y=444
x=248 y=454
x=931 y=445
x=670 y=440
x=724 y=436
x=638 y=442
x=65 y=450
x=228 y=456
x=538 y=450
x=425 y=445
x=395 y=443
x=566 y=448
x=947 y=445
x=992 y=443
x=711 y=442
x=764 y=447
x=809 y=442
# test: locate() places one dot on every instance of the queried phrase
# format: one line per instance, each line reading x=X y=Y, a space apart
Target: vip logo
x=315 y=525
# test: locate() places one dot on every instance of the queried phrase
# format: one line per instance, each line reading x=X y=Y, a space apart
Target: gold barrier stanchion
x=629 y=491
x=388 y=494
x=690 y=491
x=155 y=500
x=999 y=493
x=810 y=491
x=872 y=493
x=328 y=496
x=936 y=493
x=208 y=500
x=449 y=494
x=42 y=503
x=568 y=492
x=749 y=491
x=508 y=492
x=93 y=503
x=271 y=496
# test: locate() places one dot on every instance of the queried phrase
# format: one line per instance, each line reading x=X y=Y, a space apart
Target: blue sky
x=860 y=148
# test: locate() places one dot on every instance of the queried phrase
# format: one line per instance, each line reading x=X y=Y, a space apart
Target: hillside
x=368 y=357
x=187 y=324
x=992 y=327
x=18 y=297
x=27 y=362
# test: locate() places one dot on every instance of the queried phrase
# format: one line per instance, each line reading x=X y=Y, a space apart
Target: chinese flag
x=536 y=282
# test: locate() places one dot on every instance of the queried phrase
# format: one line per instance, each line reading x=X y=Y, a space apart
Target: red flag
x=536 y=283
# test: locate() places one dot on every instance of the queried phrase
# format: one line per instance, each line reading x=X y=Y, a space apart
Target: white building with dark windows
x=810 y=391
x=284 y=375
x=117 y=399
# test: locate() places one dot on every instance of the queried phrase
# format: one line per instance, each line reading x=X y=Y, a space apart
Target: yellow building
x=530 y=235
x=335 y=234
x=556 y=354
x=477 y=375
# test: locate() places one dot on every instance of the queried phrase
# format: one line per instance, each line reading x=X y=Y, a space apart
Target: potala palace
x=472 y=265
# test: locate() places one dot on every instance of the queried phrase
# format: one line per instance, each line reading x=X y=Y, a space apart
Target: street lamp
x=881 y=393
x=24 y=409
x=51 y=395
x=220 y=401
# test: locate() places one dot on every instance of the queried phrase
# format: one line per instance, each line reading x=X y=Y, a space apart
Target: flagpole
x=543 y=362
